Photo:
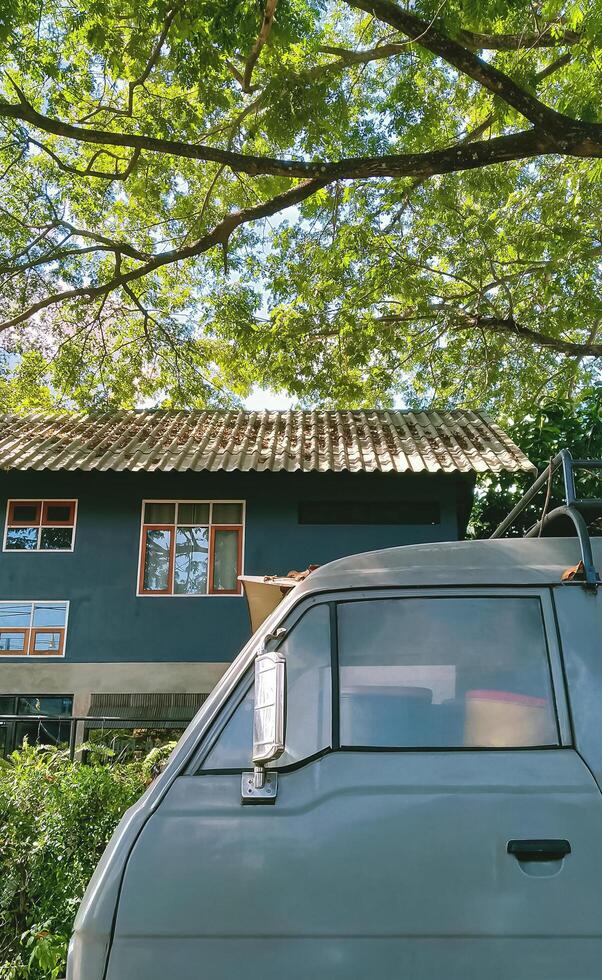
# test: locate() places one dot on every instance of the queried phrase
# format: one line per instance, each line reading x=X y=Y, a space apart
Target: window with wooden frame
x=40 y=525
x=33 y=629
x=191 y=547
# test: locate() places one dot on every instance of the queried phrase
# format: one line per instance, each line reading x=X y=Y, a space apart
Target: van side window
x=233 y=747
x=306 y=649
x=447 y=672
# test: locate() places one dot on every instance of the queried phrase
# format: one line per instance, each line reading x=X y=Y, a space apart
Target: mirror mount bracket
x=259 y=773
x=276 y=635
x=259 y=787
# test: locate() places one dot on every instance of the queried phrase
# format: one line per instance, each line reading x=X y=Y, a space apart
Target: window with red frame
x=40 y=525
x=33 y=629
x=191 y=547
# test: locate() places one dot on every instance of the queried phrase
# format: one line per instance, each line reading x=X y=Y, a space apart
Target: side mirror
x=261 y=785
x=268 y=712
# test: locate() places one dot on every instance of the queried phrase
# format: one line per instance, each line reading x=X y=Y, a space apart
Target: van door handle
x=539 y=850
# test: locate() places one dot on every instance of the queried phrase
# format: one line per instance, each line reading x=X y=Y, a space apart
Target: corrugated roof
x=156 y=440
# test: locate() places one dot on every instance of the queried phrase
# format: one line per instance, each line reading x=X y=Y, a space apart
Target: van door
x=432 y=820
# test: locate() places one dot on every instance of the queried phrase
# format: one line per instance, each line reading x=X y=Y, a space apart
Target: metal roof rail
x=575 y=508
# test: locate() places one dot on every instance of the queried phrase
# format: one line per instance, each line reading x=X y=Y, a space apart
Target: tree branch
x=346 y=58
x=574 y=138
x=141 y=79
x=114 y=244
x=349 y=57
x=56 y=251
x=514 y=42
x=219 y=235
x=264 y=33
x=554 y=66
x=55 y=256
x=89 y=171
x=236 y=75
x=470 y=39
x=581 y=140
x=506 y=325
x=465 y=61
x=509 y=325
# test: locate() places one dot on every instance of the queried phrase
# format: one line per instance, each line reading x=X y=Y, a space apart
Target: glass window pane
x=25 y=513
x=34 y=705
x=308 y=700
x=308 y=686
x=41 y=732
x=12 y=641
x=161 y=513
x=49 y=614
x=225 y=561
x=368 y=512
x=193 y=513
x=58 y=514
x=7 y=705
x=227 y=514
x=56 y=538
x=156 y=561
x=234 y=747
x=47 y=642
x=14 y=614
x=191 y=561
x=447 y=672
x=22 y=538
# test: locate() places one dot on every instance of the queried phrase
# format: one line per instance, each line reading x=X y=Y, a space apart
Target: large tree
x=354 y=200
x=549 y=427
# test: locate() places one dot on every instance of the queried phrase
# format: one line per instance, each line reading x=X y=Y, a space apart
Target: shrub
x=56 y=818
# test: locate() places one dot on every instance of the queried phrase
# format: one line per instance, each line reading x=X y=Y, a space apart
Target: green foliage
x=56 y=818
x=368 y=291
x=156 y=759
x=23 y=386
x=575 y=425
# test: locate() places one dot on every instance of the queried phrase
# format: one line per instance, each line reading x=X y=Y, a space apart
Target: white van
x=399 y=777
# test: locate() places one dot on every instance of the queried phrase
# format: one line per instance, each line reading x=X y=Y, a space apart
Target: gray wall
x=108 y=622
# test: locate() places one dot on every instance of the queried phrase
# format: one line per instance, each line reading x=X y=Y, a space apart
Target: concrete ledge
x=110 y=678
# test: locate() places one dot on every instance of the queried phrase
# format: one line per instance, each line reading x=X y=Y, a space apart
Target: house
x=124 y=535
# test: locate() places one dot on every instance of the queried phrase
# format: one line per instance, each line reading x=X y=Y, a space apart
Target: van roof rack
x=580 y=510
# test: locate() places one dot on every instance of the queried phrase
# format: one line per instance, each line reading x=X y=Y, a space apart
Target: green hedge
x=56 y=817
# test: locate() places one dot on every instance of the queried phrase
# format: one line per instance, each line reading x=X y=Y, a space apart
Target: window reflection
x=47 y=642
x=47 y=731
x=49 y=614
x=22 y=538
x=13 y=614
x=40 y=525
x=191 y=561
x=12 y=641
x=56 y=538
x=191 y=548
x=156 y=564
x=33 y=628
